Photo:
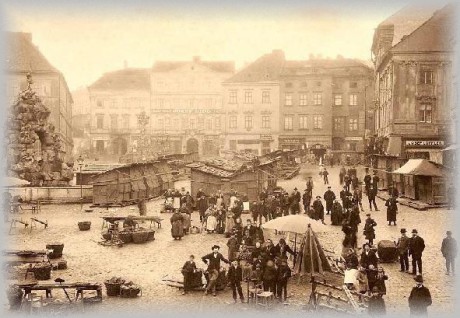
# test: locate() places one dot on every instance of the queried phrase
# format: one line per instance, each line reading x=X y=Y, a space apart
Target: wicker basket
x=140 y=237
x=151 y=235
x=107 y=236
x=125 y=236
x=56 y=248
x=62 y=265
x=113 y=289
x=129 y=291
x=84 y=226
x=42 y=271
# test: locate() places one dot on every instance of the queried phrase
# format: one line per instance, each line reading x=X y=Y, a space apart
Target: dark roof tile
x=125 y=79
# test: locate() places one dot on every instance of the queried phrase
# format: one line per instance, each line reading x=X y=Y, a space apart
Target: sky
x=84 y=40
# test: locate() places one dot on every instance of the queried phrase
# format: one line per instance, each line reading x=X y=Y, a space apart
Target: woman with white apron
x=211 y=220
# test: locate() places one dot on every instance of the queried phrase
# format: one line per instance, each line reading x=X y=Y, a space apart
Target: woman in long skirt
x=229 y=223
x=177 y=222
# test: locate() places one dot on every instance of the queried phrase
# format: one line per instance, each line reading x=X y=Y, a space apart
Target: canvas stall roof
x=422 y=167
x=224 y=164
x=210 y=170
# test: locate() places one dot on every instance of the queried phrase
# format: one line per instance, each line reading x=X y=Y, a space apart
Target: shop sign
x=266 y=137
x=424 y=143
x=292 y=141
x=188 y=111
x=354 y=138
x=165 y=138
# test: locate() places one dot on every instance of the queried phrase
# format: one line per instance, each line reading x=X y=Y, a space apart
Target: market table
x=113 y=219
x=47 y=287
x=17 y=257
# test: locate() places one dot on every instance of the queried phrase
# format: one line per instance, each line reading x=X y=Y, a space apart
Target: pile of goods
x=117 y=286
x=56 y=250
x=42 y=271
x=84 y=226
x=130 y=235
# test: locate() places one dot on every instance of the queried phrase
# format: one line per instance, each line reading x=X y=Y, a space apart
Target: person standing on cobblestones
x=213 y=261
x=416 y=247
x=325 y=176
x=235 y=276
x=420 y=298
x=369 y=231
x=329 y=197
x=371 y=196
x=403 y=249
x=392 y=210
x=449 y=251
x=188 y=270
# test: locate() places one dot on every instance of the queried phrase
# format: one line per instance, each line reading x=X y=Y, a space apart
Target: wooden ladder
x=351 y=299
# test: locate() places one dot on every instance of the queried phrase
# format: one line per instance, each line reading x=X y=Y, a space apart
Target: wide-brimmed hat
x=414 y=231
x=418 y=278
x=215 y=246
x=368 y=214
x=403 y=230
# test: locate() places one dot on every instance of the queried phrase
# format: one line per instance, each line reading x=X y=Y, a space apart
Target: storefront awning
x=422 y=167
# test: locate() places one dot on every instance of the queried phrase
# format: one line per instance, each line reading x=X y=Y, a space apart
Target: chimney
x=125 y=64
x=196 y=59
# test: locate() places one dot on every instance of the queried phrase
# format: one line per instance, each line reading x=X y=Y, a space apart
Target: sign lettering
x=424 y=143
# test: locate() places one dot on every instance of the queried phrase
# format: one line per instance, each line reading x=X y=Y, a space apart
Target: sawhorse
x=34 y=221
x=13 y=224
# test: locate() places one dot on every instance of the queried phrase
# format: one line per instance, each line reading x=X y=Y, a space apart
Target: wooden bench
x=112 y=219
x=34 y=221
x=48 y=287
x=13 y=224
x=34 y=206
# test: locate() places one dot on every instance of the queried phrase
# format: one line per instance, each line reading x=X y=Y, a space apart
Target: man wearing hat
x=306 y=200
x=329 y=197
x=319 y=209
x=420 y=298
x=369 y=231
x=416 y=247
x=403 y=250
x=213 y=261
x=449 y=251
x=325 y=174
x=310 y=186
x=344 y=194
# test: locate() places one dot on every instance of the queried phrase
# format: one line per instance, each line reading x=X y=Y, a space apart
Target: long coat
x=177 y=221
x=368 y=259
x=416 y=246
x=213 y=261
x=329 y=197
x=449 y=248
x=319 y=210
x=419 y=300
x=336 y=214
x=369 y=230
x=235 y=274
x=392 y=209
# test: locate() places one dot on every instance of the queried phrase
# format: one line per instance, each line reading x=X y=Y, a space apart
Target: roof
x=325 y=65
x=407 y=20
x=217 y=66
x=435 y=34
x=125 y=79
x=24 y=56
x=422 y=167
x=265 y=69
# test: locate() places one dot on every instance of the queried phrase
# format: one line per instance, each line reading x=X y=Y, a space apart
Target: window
x=303 y=99
x=303 y=84
x=265 y=121
x=338 y=99
x=126 y=118
x=338 y=124
x=192 y=123
x=288 y=123
x=303 y=122
x=318 y=122
x=248 y=122
x=425 y=113
x=167 y=123
x=160 y=124
x=201 y=121
x=353 y=100
x=317 y=99
x=209 y=124
x=232 y=122
x=114 y=121
x=288 y=99
x=352 y=146
x=353 y=124
x=318 y=84
x=426 y=77
x=265 y=97
x=288 y=85
x=232 y=98
x=176 y=123
x=160 y=102
x=100 y=121
x=99 y=103
x=353 y=84
x=248 y=97
x=217 y=122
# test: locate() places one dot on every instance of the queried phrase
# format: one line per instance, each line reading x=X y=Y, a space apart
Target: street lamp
x=80 y=165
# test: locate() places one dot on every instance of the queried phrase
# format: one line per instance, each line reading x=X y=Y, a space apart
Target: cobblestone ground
x=146 y=264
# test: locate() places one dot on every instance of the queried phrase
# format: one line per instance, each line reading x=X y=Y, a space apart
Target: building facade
x=117 y=99
x=251 y=105
x=24 y=57
x=186 y=110
x=323 y=105
x=414 y=84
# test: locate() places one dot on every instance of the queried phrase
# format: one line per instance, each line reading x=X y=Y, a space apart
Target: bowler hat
x=414 y=231
x=368 y=214
x=318 y=197
x=216 y=246
x=418 y=278
x=295 y=188
x=403 y=230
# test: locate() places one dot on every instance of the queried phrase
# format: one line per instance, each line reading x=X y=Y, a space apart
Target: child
x=235 y=276
x=269 y=277
x=284 y=272
x=362 y=282
x=188 y=270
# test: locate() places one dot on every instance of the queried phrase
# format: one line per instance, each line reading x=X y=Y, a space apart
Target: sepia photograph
x=272 y=158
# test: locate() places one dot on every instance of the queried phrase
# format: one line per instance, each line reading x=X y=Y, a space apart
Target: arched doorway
x=192 y=145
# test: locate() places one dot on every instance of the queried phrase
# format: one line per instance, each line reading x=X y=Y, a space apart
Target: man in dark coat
x=375 y=180
x=202 y=205
x=367 y=182
x=325 y=176
x=368 y=257
x=449 y=251
x=306 y=200
x=235 y=276
x=420 y=298
x=188 y=270
x=337 y=213
x=392 y=209
x=403 y=250
x=329 y=197
x=319 y=209
x=213 y=261
x=255 y=212
x=283 y=274
x=354 y=182
x=354 y=219
x=347 y=182
x=310 y=186
x=416 y=247
x=343 y=196
x=371 y=196
x=369 y=231
x=342 y=174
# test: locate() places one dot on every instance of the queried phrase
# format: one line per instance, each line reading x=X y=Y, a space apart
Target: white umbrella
x=296 y=223
x=14 y=182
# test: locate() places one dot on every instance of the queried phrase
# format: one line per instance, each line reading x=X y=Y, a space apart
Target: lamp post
x=80 y=165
